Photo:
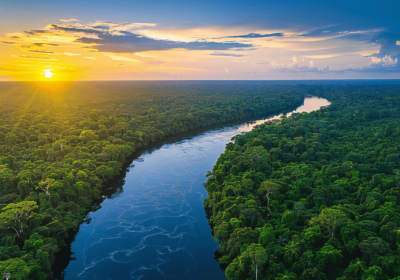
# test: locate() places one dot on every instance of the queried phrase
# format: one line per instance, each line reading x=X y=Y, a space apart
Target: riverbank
x=60 y=142
x=196 y=217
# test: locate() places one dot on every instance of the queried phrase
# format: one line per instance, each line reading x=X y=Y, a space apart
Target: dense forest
x=316 y=196
x=60 y=143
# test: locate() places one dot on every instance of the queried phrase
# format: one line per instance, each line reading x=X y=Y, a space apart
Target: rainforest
x=309 y=195
x=201 y=140
x=61 y=142
x=315 y=196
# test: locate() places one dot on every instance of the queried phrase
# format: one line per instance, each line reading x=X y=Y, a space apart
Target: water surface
x=154 y=225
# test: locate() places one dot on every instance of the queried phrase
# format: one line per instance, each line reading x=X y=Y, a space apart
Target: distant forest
x=61 y=142
x=315 y=197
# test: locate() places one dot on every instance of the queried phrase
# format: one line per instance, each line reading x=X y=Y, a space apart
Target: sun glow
x=47 y=73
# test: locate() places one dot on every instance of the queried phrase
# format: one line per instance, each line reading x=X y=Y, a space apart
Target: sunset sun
x=48 y=74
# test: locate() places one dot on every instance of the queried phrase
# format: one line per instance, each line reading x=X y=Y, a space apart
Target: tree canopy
x=324 y=203
x=61 y=142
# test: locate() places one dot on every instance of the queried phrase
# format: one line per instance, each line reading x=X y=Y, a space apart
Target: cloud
x=30 y=45
x=289 y=51
x=10 y=43
x=70 y=19
x=255 y=35
x=121 y=58
x=34 y=32
x=73 y=29
x=227 y=54
x=144 y=55
x=389 y=45
x=115 y=38
x=41 y=51
x=373 y=69
x=120 y=25
x=45 y=58
x=385 y=61
x=99 y=27
x=45 y=44
x=131 y=42
x=303 y=69
x=71 y=54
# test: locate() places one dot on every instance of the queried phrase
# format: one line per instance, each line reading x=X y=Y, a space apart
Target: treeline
x=316 y=197
x=60 y=142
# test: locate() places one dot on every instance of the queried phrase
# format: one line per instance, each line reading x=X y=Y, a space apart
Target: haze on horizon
x=198 y=40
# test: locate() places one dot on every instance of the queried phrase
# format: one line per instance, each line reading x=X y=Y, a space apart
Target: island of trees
x=60 y=143
x=315 y=197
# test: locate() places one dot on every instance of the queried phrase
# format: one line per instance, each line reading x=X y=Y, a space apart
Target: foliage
x=60 y=143
x=324 y=200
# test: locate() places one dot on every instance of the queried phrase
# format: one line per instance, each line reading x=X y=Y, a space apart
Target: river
x=151 y=223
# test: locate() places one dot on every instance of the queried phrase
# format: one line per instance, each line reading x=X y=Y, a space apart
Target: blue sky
x=124 y=39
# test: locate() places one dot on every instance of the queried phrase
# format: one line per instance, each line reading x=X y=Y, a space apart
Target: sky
x=199 y=40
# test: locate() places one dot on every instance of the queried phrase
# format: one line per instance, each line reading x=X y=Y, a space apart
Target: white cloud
x=226 y=70
x=387 y=60
x=398 y=43
x=294 y=59
x=91 y=57
x=124 y=25
x=70 y=19
x=121 y=58
x=375 y=59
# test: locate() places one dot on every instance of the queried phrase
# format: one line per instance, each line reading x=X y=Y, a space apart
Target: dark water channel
x=151 y=223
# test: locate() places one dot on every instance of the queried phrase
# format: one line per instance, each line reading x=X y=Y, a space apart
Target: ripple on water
x=184 y=258
x=168 y=223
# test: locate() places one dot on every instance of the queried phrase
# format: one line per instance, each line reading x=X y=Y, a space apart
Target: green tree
x=16 y=215
x=104 y=171
x=374 y=272
x=233 y=271
x=266 y=236
x=11 y=138
x=331 y=219
x=374 y=245
x=355 y=269
x=87 y=136
x=17 y=268
x=293 y=249
x=47 y=185
x=269 y=188
x=286 y=276
x=253 y=259
x=328 y=256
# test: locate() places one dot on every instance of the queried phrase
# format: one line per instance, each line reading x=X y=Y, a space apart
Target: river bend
x=154 y=225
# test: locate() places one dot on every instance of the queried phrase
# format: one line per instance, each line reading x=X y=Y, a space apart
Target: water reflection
x=151 y=223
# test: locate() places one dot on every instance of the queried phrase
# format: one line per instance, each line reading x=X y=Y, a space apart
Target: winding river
x=151 y=223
